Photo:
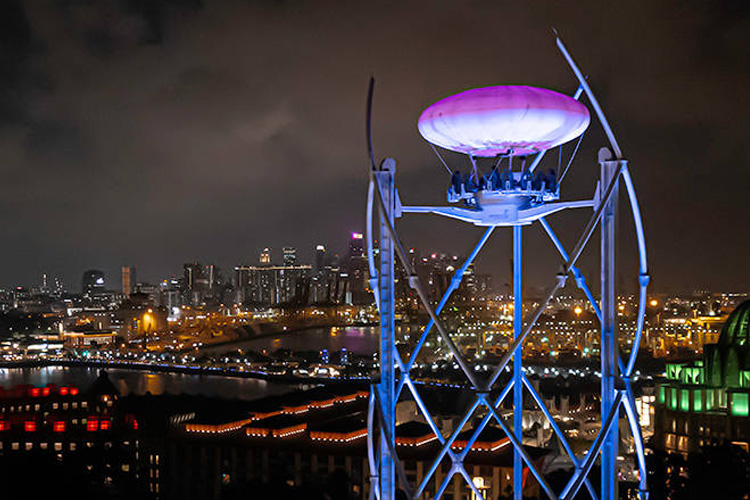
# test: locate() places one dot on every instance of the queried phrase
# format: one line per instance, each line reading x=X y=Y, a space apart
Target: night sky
x=152 y=133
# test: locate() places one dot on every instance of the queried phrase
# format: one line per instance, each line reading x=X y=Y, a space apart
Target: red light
x=105 y=425
x=73 y=391
x=34 y=392
x=4 y=425
x=63 y=391
x=29 y=426
x=59 y=426
x=92 y=424
x=45 y=391
x=131 y=421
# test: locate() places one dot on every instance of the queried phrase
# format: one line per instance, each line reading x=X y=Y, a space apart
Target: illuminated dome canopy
x=495 y=120
x=736 y=330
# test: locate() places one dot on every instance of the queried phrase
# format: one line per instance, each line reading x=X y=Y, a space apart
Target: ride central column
x=517 y=360
x=386 y=387
x=609 y=344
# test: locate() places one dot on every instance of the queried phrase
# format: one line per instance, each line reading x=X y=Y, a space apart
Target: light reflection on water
x=140 y=381
x=362 y=340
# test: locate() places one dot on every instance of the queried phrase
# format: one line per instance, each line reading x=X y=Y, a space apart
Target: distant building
x=290 y=255
x=708 y=401
x=356 y=270
x=93 y=282
x=265 y=257
x=128 y=280
x=320 y=258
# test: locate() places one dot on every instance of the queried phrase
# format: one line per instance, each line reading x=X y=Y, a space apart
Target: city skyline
x=155 y=138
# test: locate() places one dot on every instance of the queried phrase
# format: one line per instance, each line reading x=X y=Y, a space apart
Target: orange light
x=59 y=426
x=654 y=302
x=105 y=425
x=578 y=310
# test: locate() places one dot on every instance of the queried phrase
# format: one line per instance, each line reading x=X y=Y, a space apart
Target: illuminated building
x=290 y=256
x=82 y=431
x=320 y=258
x=128 y=280
x=270 y=285
x=92 y=282
x=265 y=257
x=356 y=270
x=303 y=437
x=708 y=401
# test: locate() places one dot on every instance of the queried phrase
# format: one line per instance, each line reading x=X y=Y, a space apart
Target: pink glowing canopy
x=495 y=120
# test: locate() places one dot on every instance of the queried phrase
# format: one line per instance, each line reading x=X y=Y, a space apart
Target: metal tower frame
x=386 y=470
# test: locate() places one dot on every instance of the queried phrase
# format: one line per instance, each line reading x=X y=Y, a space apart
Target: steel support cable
x=626 y=370
x=629 y=399
x=416 y=285
x=577 y=275
x=558 y=432
x=462 y=470
x=572 y=157
x=519 y=447
x=635 y=430
x=422 y=407
x=643 y=278
x=454 y=284
x=643 y=266
x=428 y=418
x=450 y=172
x=370 y=251
x=446 y=446
x=592 y=98
x=486 y=420
x=571 y=489
x=462 y=455
x=374 y=465
x=392 y=447
x=561 y=277
x=444 y=484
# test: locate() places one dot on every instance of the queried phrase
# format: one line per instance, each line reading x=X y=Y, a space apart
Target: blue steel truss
x=386 y=470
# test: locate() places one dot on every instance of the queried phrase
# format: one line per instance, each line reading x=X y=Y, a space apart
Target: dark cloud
x=151 y=132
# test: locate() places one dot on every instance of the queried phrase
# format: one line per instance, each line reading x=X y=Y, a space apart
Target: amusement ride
x=513 y=127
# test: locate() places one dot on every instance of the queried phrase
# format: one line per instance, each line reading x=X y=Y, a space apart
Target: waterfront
x=139 y=382
x=360 y=340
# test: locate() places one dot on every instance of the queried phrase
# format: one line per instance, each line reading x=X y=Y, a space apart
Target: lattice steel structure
x=395 y=373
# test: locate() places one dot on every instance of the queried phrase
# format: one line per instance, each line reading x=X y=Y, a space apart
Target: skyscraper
x=128 y=280
x=356 y=266
x=320 y=258
x=290 y=256
x=265 y=257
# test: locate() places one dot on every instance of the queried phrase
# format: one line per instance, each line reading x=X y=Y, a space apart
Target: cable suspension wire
x=437 y=153
x=572 y=157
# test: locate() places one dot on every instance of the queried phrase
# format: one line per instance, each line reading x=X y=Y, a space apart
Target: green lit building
x=708 y=401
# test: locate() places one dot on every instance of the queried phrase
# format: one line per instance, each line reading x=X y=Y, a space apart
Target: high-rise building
x=128 y=280
x=320 y=258
x=92 y=282
x=356 y=267
x=290 y=256
x=265 y=257
x=270 y=285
